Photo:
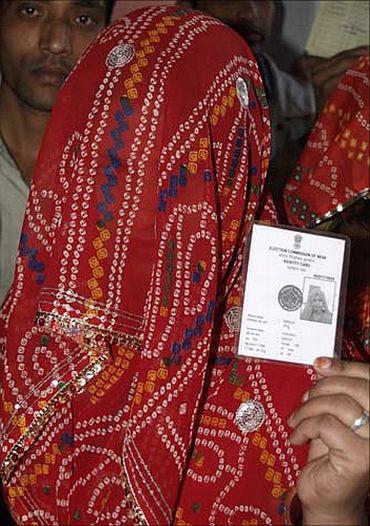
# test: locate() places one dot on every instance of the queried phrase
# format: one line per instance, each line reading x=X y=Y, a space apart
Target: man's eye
x=28 y=11
x=85 y=20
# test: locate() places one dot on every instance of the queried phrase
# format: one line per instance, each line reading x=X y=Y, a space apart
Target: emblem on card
x=297 y=241
x=290 y=298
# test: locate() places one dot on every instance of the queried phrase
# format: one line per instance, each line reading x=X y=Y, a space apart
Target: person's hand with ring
x=334 y=416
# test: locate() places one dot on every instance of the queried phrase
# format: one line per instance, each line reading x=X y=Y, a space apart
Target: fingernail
x=291 y=420
x=305 y=396
x=322 y=363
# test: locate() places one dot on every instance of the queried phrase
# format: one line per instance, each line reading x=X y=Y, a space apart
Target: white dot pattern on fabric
x=250 y=415
x=242 y=92
x=120 y=55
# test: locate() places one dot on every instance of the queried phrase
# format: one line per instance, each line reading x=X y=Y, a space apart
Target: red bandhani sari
x=119 y=378
x=330 y=184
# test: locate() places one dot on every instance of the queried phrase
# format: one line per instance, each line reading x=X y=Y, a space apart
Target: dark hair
x=109 y=8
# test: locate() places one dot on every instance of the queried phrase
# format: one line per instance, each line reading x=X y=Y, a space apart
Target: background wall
x=299 y=17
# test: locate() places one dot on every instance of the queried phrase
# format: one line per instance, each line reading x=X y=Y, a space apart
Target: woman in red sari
x=119 y=380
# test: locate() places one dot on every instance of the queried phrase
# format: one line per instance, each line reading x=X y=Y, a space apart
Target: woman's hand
x=334 y=484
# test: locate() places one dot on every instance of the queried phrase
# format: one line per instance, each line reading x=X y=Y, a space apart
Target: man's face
x=252 y=19
x=40 y=42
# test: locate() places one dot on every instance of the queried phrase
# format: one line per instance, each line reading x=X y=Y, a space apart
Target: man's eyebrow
x=82 y=3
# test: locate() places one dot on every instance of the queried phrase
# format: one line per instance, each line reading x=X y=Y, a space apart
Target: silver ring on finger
x=361 y=421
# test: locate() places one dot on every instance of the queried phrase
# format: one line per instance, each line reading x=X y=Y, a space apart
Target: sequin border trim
x=65 y=392
x=86 y=334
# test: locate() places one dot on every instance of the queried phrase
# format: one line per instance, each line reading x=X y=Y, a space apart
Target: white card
x=291 y=296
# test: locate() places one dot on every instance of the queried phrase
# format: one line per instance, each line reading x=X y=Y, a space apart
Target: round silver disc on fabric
x=232 y=318
x=120 y=55
x=249 y=416
x=242 y=92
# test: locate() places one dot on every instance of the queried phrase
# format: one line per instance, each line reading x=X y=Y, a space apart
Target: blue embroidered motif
x=114 y=161
x=31 y=255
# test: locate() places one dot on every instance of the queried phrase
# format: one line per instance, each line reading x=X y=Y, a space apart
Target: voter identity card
x=294 y=294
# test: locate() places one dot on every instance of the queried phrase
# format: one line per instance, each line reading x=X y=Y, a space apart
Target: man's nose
x=56 y=38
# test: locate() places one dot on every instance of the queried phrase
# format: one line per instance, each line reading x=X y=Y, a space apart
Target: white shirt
x=13 y=199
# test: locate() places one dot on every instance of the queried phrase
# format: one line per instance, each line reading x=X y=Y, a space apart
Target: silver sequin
x=120 y=55
x=250 y=415
x=242 y=92
x=233 y=318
